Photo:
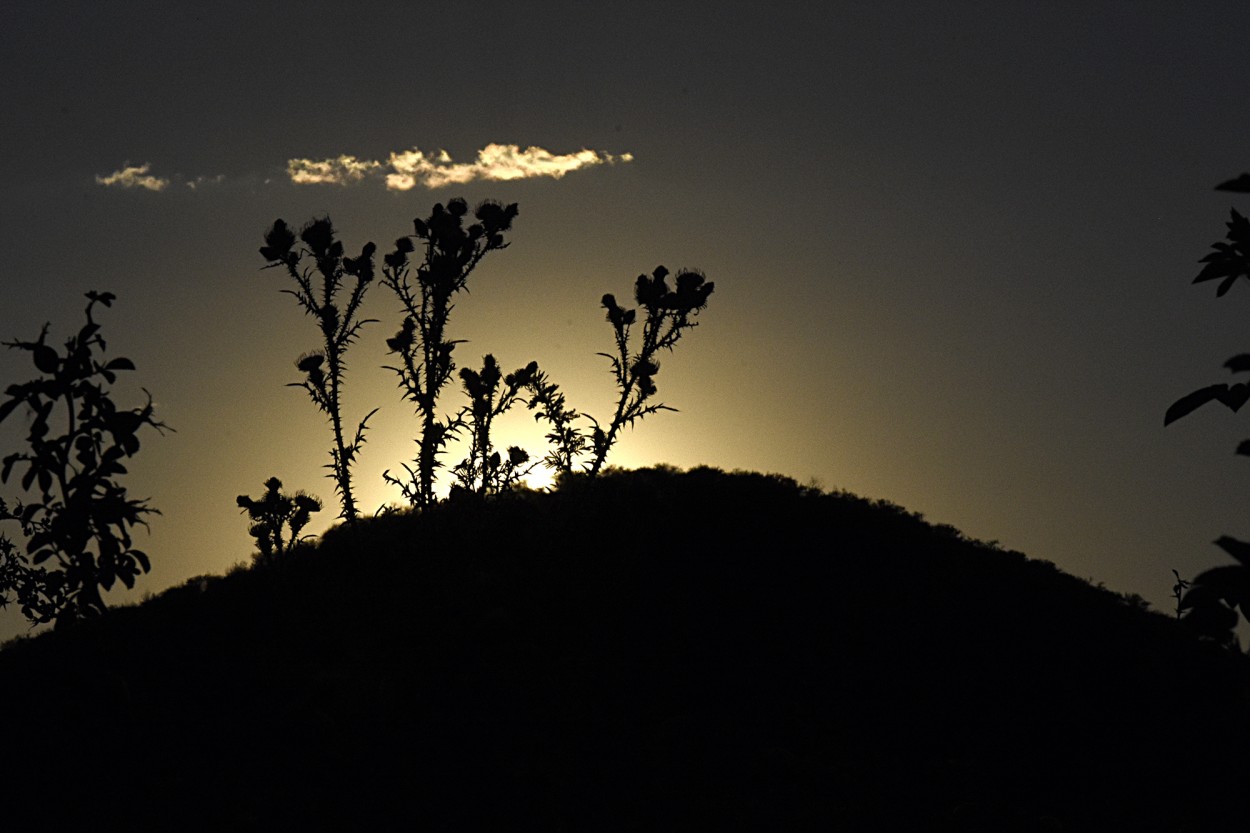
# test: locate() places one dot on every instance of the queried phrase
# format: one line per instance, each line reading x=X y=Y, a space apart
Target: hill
x=651 y=650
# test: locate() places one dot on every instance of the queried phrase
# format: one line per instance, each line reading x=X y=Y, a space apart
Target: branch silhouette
x=78 y=520
x=1210 y=603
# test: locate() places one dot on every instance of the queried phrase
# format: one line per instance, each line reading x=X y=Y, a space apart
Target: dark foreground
x=650 y=652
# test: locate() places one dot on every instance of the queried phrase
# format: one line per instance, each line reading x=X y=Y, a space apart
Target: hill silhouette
x=649 y=650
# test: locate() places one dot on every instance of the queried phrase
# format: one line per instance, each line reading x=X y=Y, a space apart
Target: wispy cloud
x=204 y=181
x=402 y=170
x=133 y=176
x=410 y=168
x=344 y=170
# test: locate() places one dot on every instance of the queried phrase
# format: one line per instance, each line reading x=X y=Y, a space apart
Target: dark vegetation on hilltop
x=75 y=516
x=649 y=650
x=1216 y=599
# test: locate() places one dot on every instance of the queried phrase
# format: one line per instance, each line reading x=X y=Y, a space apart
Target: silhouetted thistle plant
x=1210 y=602
x=78 y=523
x=272 y=513
x=319 y=292
x=484 y=471
x=426 y=290
x=668 y=313
x=565 y=439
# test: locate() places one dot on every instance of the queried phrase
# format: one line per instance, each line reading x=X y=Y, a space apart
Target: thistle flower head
x=318 y=235
x=278 y=242
x=307 y=363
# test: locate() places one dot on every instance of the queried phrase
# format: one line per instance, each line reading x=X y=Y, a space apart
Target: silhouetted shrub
x=484 y=471
x=318 y=291
x=275 y=512
x=566 y=441
x=78 y=523
x=1210 y=602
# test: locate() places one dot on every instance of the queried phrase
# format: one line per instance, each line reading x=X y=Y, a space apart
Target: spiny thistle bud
x=443 y=226
x=307 y=503
x=689 y=280
x=522 y=376
x=472 y=382
x=650 y=292
x=309 y=362
x=457 y=207
x=489 y=212
x=422 y=230
x=517 y=456
x=495 y=217
x=490 y=372
x=361 y=267
x=646 y=369
x=403 y=338
x=319 y=236
x=278 y=242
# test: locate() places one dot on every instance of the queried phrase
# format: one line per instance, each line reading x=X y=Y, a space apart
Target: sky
x=952 y=242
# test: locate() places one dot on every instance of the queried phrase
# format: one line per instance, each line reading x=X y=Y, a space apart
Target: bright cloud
x=133 y=176
x=341 y=171
x=497 y=162
x=410 y=168
x=402 y=170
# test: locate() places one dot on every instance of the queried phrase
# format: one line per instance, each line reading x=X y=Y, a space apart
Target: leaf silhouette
x=1235 y=396
x=1239 y=550
x=1191 y=402
x=1240 y=185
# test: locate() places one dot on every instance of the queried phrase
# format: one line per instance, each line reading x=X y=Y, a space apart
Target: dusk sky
x=952 y=242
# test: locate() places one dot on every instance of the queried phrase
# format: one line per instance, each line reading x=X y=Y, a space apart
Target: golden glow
x=541 y=477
